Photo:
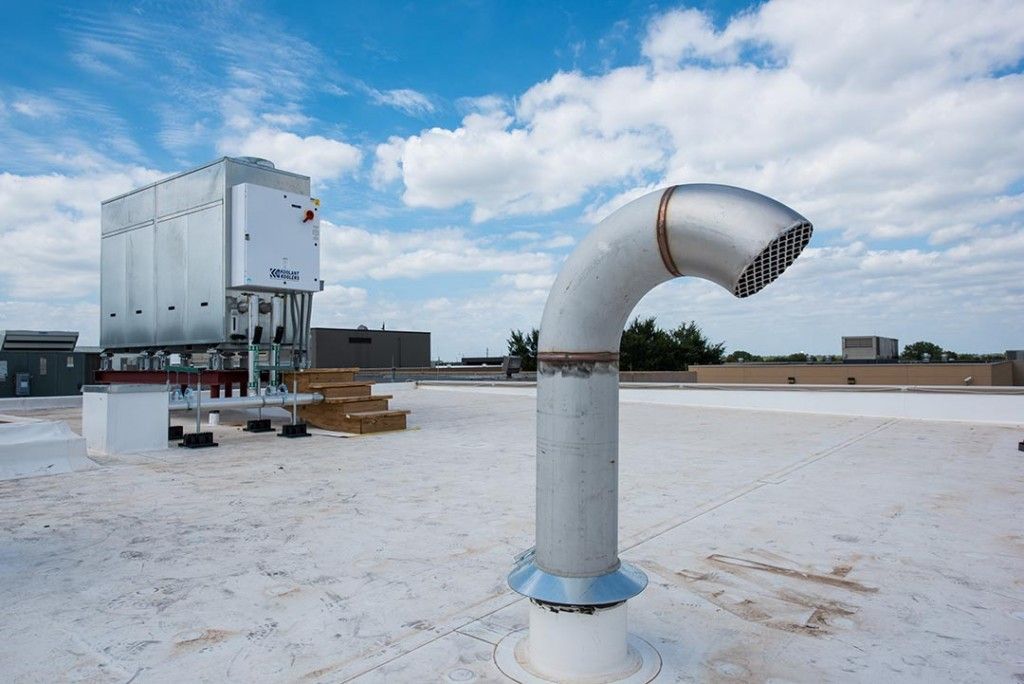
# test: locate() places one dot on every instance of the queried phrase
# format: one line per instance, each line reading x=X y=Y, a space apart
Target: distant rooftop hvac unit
x=870 y=348
x=38 y=340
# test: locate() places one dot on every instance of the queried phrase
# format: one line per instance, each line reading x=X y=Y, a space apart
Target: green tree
x=740 y=355
x=693 y=347
x=916 y=351
x=646 y=347
x=799 y=357
x=524 y=345
x=978 y=358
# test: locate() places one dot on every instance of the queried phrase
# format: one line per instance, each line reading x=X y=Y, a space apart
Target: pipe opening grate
x=775 y=259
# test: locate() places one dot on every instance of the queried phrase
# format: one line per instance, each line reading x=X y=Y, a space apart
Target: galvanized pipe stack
x=736 y=238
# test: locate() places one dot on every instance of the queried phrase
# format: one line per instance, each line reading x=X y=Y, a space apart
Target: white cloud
x=63 y=129
x=534 y=240
x=412 y=102
x=879 y=121
x=387 y=162
x=179 y=132
x=559 y=241
x=459 y=326
x=599 y=209
x=684 y=34
x=865 y=116
x=528 y=281
x=102 y=57
x=484 y=104
x=352 y=253
x=524 y=235
x=504 y=170
x=322 y=158
x=962 y=297
x=286 y=119
x=337 y=304
x=50 y=231
x=36 y=107
x=82 y=316
x=210 y=70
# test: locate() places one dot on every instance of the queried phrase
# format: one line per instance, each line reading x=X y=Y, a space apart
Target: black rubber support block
x=258 y=425
x=198 y=440
x=297 y=430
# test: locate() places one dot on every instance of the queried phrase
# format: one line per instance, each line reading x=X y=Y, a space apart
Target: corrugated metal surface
x=140 y=319
x=206 y=304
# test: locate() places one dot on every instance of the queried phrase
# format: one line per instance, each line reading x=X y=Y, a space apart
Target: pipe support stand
x=586 y=645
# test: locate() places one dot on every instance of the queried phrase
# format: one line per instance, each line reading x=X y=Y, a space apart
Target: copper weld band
x=577 y=357
x=662 y=229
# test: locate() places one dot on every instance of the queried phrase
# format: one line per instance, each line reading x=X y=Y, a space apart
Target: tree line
x=916 y=352
x=644 y=346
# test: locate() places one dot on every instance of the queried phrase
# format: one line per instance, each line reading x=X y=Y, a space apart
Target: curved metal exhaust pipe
x=733 y=237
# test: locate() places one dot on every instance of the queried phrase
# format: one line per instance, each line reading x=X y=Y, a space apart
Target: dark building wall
x=51 y=374
x=482 y=360
x=347 y=348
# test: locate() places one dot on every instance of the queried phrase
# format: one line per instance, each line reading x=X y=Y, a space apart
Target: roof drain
x=577 y=584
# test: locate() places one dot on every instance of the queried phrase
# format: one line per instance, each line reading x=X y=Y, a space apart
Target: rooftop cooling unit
x=179 y=257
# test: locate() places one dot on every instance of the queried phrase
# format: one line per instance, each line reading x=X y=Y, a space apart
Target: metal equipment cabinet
x=166 y=258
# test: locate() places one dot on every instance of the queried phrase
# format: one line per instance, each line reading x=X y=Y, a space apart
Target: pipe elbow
x=736 y=238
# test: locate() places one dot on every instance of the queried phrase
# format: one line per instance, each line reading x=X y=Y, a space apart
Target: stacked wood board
x=348 y=406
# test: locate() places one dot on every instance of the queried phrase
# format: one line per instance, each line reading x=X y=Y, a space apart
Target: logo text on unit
x=284 y=274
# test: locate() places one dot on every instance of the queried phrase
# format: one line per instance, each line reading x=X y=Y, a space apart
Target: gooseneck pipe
x=733 y=237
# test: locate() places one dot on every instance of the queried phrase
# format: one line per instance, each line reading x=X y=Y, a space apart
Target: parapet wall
x=998 y=374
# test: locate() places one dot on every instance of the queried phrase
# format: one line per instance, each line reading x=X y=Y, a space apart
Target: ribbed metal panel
x=165 y=257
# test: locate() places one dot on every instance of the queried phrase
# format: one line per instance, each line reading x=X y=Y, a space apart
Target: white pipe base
x=570 y=644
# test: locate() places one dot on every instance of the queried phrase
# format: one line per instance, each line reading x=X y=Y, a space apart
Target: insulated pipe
x=251 y=401
x=306 y=329
x=254 y=349
x=276 y=320
x=733 y=237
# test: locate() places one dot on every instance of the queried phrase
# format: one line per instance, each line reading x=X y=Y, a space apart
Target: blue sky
x=461 y=149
